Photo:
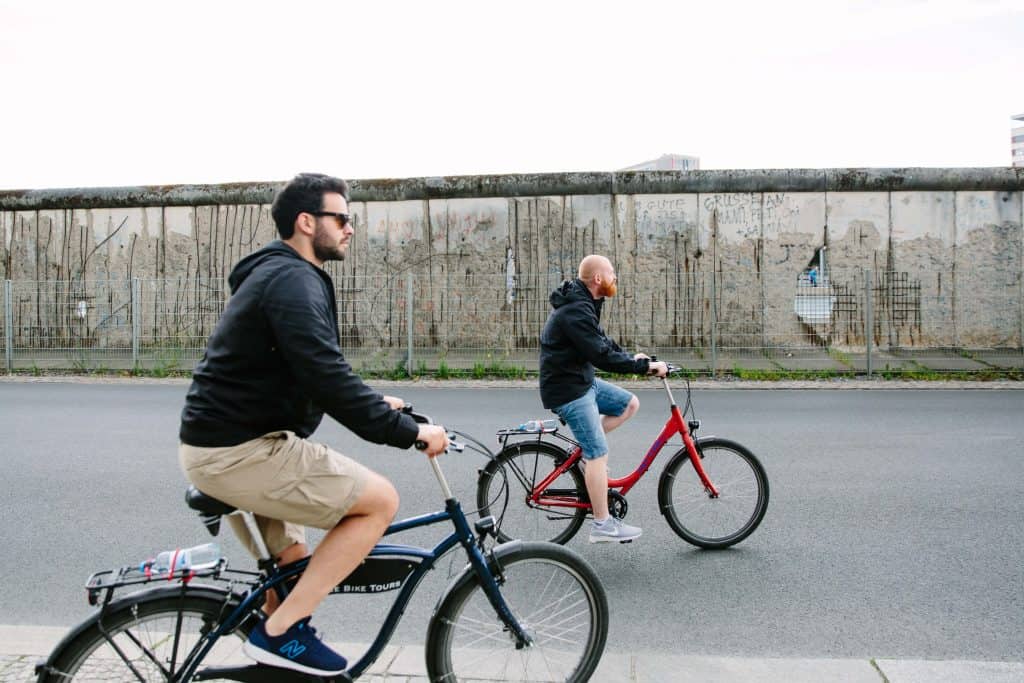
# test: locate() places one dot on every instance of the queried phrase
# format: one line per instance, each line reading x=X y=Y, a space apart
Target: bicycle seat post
x=254 y=531
x=440 y=478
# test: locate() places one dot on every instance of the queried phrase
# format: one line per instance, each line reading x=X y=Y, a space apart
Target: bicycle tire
x=553 y=593
x=516 y=470
x=714 y=523
x=143 y=625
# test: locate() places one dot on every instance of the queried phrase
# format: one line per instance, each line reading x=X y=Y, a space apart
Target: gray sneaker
x=613 y=531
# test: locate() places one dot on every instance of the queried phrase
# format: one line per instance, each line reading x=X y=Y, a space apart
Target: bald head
x=593 y=265
x=598 y=275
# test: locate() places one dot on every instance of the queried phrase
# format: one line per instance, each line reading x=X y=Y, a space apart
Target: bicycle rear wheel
x=557 y=598
x=148 y=637
x=505 y=484
x=720 y=522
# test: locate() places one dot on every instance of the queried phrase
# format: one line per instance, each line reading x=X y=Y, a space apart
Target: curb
x=704 y=384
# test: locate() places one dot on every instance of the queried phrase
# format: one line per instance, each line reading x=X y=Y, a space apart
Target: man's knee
x=379 y=498
x=632 y=407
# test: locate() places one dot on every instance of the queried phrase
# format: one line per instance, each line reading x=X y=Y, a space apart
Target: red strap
x=174 y=561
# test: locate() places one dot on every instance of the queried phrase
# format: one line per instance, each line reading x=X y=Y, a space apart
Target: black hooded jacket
x=274 y=362
x=572 y=343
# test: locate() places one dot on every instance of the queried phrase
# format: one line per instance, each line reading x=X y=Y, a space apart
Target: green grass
x=775 y=375
x=840 y=356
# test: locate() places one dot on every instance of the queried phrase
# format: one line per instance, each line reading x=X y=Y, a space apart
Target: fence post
x=136 y=327
x=408 y=322
x=869 y=323
x=8 y=328
x=714 y=323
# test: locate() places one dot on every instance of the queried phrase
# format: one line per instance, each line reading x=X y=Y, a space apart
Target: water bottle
x=534 y=426
x=195 y=558
x=202 y=556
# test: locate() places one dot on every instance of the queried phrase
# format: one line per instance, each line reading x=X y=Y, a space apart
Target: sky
x=112 y=93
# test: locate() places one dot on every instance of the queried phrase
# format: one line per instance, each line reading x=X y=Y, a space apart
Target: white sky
x=103 y=93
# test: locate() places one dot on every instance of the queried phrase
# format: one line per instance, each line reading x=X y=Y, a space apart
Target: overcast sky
x=99 y=93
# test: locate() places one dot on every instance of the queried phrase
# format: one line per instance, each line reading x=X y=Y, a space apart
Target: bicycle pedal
x=261 y=673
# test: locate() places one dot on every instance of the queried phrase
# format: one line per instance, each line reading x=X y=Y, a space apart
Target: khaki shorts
x=287 y=481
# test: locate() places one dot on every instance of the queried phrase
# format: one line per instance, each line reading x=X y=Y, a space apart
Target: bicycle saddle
x=197 y=500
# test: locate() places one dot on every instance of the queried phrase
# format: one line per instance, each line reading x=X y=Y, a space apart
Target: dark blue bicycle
x=518 y=611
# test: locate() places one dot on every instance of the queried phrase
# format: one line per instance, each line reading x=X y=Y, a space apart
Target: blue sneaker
x=299 y=649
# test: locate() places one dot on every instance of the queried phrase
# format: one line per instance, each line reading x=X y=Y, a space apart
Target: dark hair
x=305 y=192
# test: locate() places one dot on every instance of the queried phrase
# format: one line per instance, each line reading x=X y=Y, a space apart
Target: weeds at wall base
x=504 y=372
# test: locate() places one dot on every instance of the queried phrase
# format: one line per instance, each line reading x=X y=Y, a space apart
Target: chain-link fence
x=843 y=321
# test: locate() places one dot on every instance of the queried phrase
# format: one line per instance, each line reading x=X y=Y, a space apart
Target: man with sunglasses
x=273 y=366
x=572 y=343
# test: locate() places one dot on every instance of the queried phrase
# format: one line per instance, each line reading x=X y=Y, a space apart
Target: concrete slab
x=1006 y=360
x=684 y=669
x=926 y=671
x=881 y=361
x=940 y=359
x=728 y=363
x=409 y=661
x=810 y=362
x=29 y=640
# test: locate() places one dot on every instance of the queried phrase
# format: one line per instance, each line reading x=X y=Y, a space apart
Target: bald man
x=572 y=344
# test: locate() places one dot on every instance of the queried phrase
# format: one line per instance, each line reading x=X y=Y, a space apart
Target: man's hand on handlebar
x=435 y=437
x=657 y=367
x=395 y=402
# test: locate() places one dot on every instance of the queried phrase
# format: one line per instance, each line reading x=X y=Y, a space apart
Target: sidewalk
x=22 y=646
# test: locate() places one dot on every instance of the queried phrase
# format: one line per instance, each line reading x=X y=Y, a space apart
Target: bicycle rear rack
x=104 y=583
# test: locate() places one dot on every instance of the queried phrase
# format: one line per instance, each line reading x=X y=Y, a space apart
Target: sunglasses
x=343 y=218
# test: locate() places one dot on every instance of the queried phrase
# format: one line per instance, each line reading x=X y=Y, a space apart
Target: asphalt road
x=894 y=528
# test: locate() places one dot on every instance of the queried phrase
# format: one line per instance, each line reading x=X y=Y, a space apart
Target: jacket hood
x=275 y=250
x=572 y=291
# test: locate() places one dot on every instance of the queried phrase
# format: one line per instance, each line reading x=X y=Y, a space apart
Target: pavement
x=22 y=646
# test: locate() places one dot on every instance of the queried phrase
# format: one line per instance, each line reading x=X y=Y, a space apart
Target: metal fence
x=852 y=321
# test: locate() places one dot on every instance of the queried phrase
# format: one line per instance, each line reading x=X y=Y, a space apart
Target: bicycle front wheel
x=720 y=522
x=505 y=485
x=147 y=637
x=557 y=598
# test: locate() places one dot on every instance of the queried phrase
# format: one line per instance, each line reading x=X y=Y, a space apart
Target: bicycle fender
x=148 y=595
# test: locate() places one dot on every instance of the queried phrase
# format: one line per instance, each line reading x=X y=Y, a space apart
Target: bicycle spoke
x=727 y=518
x=550 y=603
x=519 y=517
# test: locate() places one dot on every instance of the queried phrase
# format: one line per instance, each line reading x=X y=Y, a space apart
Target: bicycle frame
x=674 y=425
x=425 y=560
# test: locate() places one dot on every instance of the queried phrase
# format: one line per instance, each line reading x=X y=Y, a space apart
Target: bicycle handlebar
x=421 y=418
x=672 y=369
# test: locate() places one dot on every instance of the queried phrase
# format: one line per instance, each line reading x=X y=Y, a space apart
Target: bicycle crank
x=617 y=505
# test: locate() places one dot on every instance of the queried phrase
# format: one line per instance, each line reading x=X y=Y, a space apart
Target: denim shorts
x=583 y=415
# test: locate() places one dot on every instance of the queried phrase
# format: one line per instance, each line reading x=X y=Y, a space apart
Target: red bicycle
x=713 y=492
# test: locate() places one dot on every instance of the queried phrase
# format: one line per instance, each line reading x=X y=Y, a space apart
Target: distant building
x=1017 y=142
x=667 y=162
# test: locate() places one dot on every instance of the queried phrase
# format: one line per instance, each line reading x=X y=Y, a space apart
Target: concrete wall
x=945 y=247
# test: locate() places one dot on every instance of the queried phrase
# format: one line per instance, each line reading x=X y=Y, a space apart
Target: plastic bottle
x=537 y=426
x=197 y=557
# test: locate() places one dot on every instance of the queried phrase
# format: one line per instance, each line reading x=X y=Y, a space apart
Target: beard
x=609 y=289
x=326 y=248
